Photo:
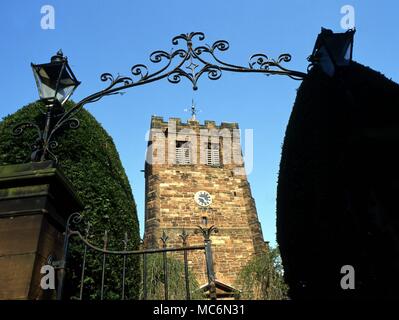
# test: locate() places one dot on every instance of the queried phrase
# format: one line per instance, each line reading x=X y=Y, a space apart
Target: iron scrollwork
x=188 y=62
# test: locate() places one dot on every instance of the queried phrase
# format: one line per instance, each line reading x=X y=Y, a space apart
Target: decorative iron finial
x=59 y=56
x=164 y=238
x=207 y=232
x=184 y=235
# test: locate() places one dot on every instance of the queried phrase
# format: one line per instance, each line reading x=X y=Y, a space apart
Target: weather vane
x=194 y=111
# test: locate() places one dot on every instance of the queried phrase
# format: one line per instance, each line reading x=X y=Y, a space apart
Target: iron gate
x=76 y=218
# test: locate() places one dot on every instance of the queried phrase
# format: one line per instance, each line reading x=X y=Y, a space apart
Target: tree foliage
x=176 y=280
x=89 y=159
x=262 y=278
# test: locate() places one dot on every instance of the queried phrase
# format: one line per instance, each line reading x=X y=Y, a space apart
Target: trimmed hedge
x=338 y=184
x=89 y=159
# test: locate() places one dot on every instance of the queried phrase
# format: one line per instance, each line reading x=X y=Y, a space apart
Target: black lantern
x=332 y=50
x=55 y=80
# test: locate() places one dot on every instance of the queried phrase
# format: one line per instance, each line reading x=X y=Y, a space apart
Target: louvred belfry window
x=213 y=154
x=183 y=152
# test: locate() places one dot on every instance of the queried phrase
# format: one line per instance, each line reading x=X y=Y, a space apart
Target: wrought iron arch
x=188 y=57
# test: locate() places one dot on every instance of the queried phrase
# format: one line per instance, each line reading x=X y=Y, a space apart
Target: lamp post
x=56 y=83
x=332 y=50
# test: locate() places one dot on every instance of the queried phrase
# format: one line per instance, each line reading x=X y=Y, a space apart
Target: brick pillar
x=35 y=201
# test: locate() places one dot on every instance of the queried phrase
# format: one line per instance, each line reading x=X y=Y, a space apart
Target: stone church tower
x=194 y=175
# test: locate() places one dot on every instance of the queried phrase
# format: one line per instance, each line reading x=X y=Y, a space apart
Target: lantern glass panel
x=54 y=81
x=340 y=48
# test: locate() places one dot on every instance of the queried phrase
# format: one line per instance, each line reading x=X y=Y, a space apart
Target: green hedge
x=338 y=184
x=89 y=159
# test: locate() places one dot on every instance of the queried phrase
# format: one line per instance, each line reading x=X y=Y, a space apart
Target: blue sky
x=111 y=36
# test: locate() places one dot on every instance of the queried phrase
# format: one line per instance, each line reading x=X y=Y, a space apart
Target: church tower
x=195 y=176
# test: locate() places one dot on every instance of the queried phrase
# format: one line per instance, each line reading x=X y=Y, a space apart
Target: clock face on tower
x=203 y=198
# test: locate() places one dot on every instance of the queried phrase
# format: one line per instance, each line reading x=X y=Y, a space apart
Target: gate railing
x=76 y=218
